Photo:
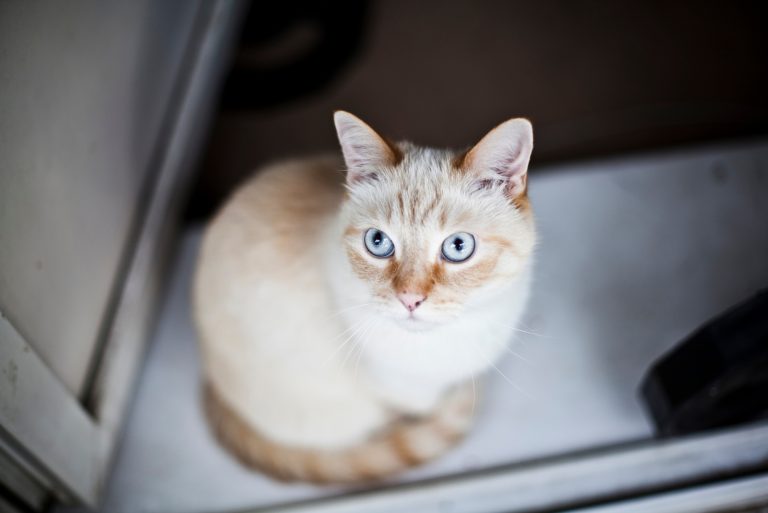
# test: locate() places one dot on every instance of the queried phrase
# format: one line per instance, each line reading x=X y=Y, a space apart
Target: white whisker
x=343 y=310
x=514 y=327
x=363 y=341
x=509 y=349
x=517 y=387
x=516 y=354
x=529 y=330
x=366 y=323
x=506 y=378
x=355 y=328
x=531 y=333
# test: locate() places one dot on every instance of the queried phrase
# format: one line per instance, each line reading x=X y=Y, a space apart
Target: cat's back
x=263 y=311
x=263 y=244
x=273 y=219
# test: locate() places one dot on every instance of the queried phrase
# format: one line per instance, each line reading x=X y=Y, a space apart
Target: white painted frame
x=54 y=442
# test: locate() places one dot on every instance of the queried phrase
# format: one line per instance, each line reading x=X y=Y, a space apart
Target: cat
x=343 y=316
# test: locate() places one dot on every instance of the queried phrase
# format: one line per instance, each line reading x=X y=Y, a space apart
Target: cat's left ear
x=365 y=151
x=503 y=154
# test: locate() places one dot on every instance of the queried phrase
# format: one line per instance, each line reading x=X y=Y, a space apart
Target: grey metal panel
x=84 y=87
x=48 y=427
x=586 y=478
x=24 y=482
x=738 y=496
x=47 y=440
x=139 y=298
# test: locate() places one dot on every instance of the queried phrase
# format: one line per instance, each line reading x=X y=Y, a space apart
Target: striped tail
x=409 y=442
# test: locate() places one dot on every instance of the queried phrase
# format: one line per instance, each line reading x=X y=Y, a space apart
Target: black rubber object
x=716 y=377
x=338 y=28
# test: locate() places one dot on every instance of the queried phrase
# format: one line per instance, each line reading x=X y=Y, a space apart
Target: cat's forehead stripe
x=401 y=203
x=417 y=205
x=431 y=207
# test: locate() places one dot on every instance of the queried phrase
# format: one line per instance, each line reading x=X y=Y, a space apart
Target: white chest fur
x=412 y=369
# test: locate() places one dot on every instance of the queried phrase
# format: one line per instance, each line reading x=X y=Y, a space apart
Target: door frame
x=51 y=440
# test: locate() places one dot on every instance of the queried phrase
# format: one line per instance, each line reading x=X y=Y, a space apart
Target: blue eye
x=378 y=243
x=458 y=247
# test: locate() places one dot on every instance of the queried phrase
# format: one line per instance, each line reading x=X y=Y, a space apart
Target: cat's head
x=431 y=233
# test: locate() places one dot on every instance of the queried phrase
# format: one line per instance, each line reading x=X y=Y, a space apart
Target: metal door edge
x=605 y=474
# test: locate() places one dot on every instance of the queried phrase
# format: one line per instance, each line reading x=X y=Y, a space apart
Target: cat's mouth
x=418 y=320
x=413 y=321
x=417 y=324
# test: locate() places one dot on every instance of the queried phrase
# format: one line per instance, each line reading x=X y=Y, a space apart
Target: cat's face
x=431 y=234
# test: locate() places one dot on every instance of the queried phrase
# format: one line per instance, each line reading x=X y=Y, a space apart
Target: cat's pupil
x=377 y=239
x=458 y=244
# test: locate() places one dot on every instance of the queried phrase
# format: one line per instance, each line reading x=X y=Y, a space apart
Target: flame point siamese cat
x=344 y=307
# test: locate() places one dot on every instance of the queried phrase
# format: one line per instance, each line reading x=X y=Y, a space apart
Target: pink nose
x=411 y=301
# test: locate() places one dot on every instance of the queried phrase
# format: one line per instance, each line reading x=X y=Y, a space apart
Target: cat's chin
x=416 y=323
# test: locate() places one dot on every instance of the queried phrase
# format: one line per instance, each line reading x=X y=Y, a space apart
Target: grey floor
x=634 y=254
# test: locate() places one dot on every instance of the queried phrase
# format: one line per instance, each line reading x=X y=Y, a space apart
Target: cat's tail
x=407 y=443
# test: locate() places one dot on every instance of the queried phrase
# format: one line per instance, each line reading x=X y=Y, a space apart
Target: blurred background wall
x=595 y=77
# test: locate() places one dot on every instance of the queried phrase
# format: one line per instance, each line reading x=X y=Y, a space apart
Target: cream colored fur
x=310 y=352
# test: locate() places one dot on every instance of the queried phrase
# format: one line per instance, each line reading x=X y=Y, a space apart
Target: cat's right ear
x=503 y=155
x=365 y=151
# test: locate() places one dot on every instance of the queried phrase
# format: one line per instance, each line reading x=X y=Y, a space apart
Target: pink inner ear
x=508 y=163
x=505 y=151
x=354 y=175
x=517 y=185
x=516 y=170
x=357 y=155
x=364 y=150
